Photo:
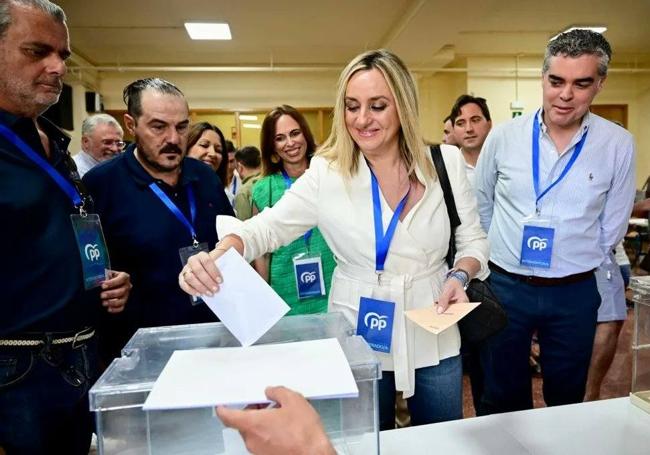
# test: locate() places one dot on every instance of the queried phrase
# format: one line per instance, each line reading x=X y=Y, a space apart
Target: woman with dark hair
x=206 y=143
x=287 y=146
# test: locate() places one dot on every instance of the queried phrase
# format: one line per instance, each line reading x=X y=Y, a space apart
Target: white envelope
x=318 y=369
x=245 y=303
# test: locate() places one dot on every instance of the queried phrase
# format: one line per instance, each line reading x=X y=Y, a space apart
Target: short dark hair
x=462 y=100
x=249 y=157
x=196 y=131
x=230 y=147
x=267 y=137
x=447 y=118
x=576 y=43
x=132 y=94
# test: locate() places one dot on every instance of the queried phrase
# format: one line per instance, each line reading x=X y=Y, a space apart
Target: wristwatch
x=460 y=275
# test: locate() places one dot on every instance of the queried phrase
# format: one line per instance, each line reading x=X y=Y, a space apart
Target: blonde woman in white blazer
x=376 y=131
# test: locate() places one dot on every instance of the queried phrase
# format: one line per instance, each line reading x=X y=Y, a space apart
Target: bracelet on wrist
x=460 y=275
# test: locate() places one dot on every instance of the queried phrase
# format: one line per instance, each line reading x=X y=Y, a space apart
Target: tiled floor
x=617 y=383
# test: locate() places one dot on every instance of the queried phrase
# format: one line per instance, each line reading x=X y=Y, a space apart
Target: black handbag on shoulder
x=489 y=317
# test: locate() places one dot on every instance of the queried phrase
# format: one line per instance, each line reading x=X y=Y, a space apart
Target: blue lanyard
x=234 y=185
x=287 y=183
x=66 y=186
x=382 y=241
x=576 y=152
x=175 y=210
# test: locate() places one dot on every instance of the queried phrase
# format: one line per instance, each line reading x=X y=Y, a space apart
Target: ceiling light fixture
x=248 y=117
x=208 y=31
x=252 y=125
x=594 y=28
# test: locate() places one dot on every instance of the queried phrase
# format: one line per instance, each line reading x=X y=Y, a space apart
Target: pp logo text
x=537 y=243
x=374 y=321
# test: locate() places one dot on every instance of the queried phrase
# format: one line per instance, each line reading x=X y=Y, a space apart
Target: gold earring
x=275 y=159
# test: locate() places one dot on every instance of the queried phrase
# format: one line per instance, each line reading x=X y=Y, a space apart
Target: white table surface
x=615 y=427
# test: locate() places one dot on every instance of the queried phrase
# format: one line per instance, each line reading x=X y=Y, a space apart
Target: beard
x=28 y=100
x=149 y=157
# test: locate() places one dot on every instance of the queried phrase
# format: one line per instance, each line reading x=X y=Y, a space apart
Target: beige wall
x=437 y=95
x=234 y=91
x=485 y=77
x=629 y=88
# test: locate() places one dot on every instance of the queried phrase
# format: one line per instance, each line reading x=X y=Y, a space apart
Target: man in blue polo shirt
x=47 y=344
x=555 y=189
x=157 y=208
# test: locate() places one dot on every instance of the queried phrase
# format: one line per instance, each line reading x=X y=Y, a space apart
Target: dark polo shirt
x=143 y=237
x=41 y=279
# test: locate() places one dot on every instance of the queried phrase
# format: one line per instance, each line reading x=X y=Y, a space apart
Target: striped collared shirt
x=589 y=207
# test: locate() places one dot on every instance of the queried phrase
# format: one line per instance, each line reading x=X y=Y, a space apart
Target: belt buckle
x=74 y=344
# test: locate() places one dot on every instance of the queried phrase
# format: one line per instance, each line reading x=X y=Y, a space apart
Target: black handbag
x=489 y=317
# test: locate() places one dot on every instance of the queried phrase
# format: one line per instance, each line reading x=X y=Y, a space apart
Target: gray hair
x=132 y=94
x=90 y=123
x=576 y=43
x=46 y=6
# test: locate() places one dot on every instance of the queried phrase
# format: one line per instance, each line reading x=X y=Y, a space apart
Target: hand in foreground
x=200 y=276
x=452 y=292
x=292 y=428
x=115 y=291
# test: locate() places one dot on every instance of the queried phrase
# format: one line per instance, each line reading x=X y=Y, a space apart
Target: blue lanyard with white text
x=576 y=152
x=66 y=186
x=175 y=210
x=287 y=183
x=382 y=241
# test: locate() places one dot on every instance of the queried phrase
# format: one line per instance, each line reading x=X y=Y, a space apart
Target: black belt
x=31 y=340
x=543 y=281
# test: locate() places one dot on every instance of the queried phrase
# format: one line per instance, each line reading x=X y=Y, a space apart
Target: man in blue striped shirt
x=555 y=189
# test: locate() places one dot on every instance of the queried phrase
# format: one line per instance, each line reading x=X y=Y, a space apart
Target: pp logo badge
x=374 y=321
x=308 y=277
x=537 y=243
x=537 y=246
x=92 y=252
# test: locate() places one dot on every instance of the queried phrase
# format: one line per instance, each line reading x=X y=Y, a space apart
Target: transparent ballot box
x=124 y=428
x=640 y=394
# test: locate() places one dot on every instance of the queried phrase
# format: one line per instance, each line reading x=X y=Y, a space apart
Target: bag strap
x=450 y=203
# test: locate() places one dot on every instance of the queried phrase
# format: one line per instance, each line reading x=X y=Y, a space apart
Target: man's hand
x=292 y=428
x=115 y=291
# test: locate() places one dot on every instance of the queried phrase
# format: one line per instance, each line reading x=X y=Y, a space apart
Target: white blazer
x=415 y=267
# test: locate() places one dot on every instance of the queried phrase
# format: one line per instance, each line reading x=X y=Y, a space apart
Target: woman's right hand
x=201 y=276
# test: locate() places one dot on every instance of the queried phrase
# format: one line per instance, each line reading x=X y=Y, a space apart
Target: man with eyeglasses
x=101 y=139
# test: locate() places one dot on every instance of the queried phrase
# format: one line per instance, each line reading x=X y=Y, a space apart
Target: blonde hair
x=342 y=151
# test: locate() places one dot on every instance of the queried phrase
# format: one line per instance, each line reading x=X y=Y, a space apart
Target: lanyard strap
x=576 y=152
x=176 y=211
x=66 y=186
x=287 y=184
x=234 y=185
x=382 y=241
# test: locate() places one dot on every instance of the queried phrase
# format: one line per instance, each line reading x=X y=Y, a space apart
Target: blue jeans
x=44 y=399
x=438 y=395
x=565 y=319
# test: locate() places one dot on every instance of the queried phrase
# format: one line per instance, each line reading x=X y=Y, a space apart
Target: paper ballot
x=430 y=320
x=238 y=376
x=245 y=303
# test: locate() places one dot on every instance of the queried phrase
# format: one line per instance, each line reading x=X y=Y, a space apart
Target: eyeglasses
x=110 y=143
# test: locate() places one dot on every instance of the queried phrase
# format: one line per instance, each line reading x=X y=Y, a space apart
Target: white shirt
x=84 y=162
x=590 y=206
x=415 y=266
